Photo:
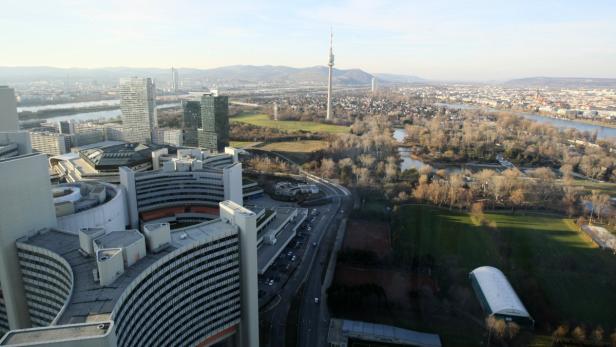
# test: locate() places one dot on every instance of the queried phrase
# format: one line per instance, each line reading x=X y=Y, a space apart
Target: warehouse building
x=497 y=297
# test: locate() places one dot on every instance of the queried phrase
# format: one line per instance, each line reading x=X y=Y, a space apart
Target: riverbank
x=603 y=130
x=83 y=113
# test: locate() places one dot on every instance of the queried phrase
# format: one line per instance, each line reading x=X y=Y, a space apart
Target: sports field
x=298 y=151
x=264 y=120
x=559 y=274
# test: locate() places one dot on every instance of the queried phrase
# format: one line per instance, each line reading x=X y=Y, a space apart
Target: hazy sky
x=463 y=40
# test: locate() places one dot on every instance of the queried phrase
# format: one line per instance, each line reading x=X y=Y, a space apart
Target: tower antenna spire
x=330 y=64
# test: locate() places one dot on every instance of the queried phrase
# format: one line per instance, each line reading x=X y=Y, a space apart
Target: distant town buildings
x=138 y=105
x=8 y=110
x=66 y=127
x=50 y=143
x=214 y=132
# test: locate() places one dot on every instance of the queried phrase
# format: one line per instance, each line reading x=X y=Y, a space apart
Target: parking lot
x=292 y=255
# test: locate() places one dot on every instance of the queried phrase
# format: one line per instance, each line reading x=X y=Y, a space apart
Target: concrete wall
x=8 y=110
x=26 y=206
x=232 y=179
x=111 y=216
x=21 y=138
x=246 y=222
x=127 y=181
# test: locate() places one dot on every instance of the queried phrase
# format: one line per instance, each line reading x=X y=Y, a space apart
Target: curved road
x=313 y=318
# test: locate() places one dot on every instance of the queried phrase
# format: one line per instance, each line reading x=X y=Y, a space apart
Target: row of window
x=50 y=278
x=166 y=202
x=147 y=301
x=28 y=255
x=152 y=281
x=183 y=316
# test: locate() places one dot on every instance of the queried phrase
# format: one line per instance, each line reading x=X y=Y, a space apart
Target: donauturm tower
x=329 y=78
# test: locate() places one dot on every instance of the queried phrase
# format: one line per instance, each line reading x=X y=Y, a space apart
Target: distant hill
x=562 y=82
x=399 y=78
x=229 y=74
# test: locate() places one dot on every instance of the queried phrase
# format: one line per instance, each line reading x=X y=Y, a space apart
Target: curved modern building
x=72 y=274
x=194 y=286
x=188 y=186
x=89 y=205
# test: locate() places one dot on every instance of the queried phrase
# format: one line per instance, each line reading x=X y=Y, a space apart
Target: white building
x=50 y=143
x=14 y=143
x=8 y=110
x=25 y=207
x=138 y=105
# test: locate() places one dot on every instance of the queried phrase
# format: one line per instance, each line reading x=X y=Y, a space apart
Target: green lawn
x=299 y=151
x=264 y=120
x=558 y=273
x=241 y=144
x=589 y=186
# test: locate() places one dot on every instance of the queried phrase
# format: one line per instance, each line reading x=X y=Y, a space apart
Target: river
x=602 y=131
x=85 y=116
x=405 y=153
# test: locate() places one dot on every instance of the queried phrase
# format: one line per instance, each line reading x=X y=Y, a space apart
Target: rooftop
x=118 y=239
x=124 y=154
x=56 y=333
x=498 y=293
x=91 y=302
x=340 y=330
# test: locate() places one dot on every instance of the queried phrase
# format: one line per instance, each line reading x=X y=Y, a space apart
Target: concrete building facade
x=8 y=110
x=25 y=207
x=138 y=105
x=50 y=143
x=214 y=132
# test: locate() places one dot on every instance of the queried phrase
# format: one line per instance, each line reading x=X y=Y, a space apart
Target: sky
x=473 y=40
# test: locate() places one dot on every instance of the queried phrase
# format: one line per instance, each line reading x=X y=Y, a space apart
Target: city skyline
x=479 y=41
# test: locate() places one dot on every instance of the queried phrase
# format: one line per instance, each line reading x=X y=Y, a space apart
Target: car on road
x=293 y=259
x=270 y=283
x=314 y=244
x=316 y=300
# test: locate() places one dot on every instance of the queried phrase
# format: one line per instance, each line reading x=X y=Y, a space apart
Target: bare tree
x=597 y=334
x=579 y=333
x=560 y=333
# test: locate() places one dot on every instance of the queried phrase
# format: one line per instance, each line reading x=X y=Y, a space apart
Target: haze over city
x=437 y=40
x=307 y=173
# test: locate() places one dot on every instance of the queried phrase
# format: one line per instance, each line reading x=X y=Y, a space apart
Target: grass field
x=558 y=273
x=264 y=120
x=303 y=146
x=298 y=151
x=240 y=144
x=589 y=186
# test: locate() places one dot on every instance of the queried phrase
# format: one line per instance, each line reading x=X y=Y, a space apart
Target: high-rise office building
x=138 y=105
x=8 y=110
x=175 y=80
x=374 y=85
x=214 y=132
x=66 y=127
x=191 y=121
x=26 y=206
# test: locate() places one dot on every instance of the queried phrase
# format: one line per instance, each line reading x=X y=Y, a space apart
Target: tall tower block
x=329 y=79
